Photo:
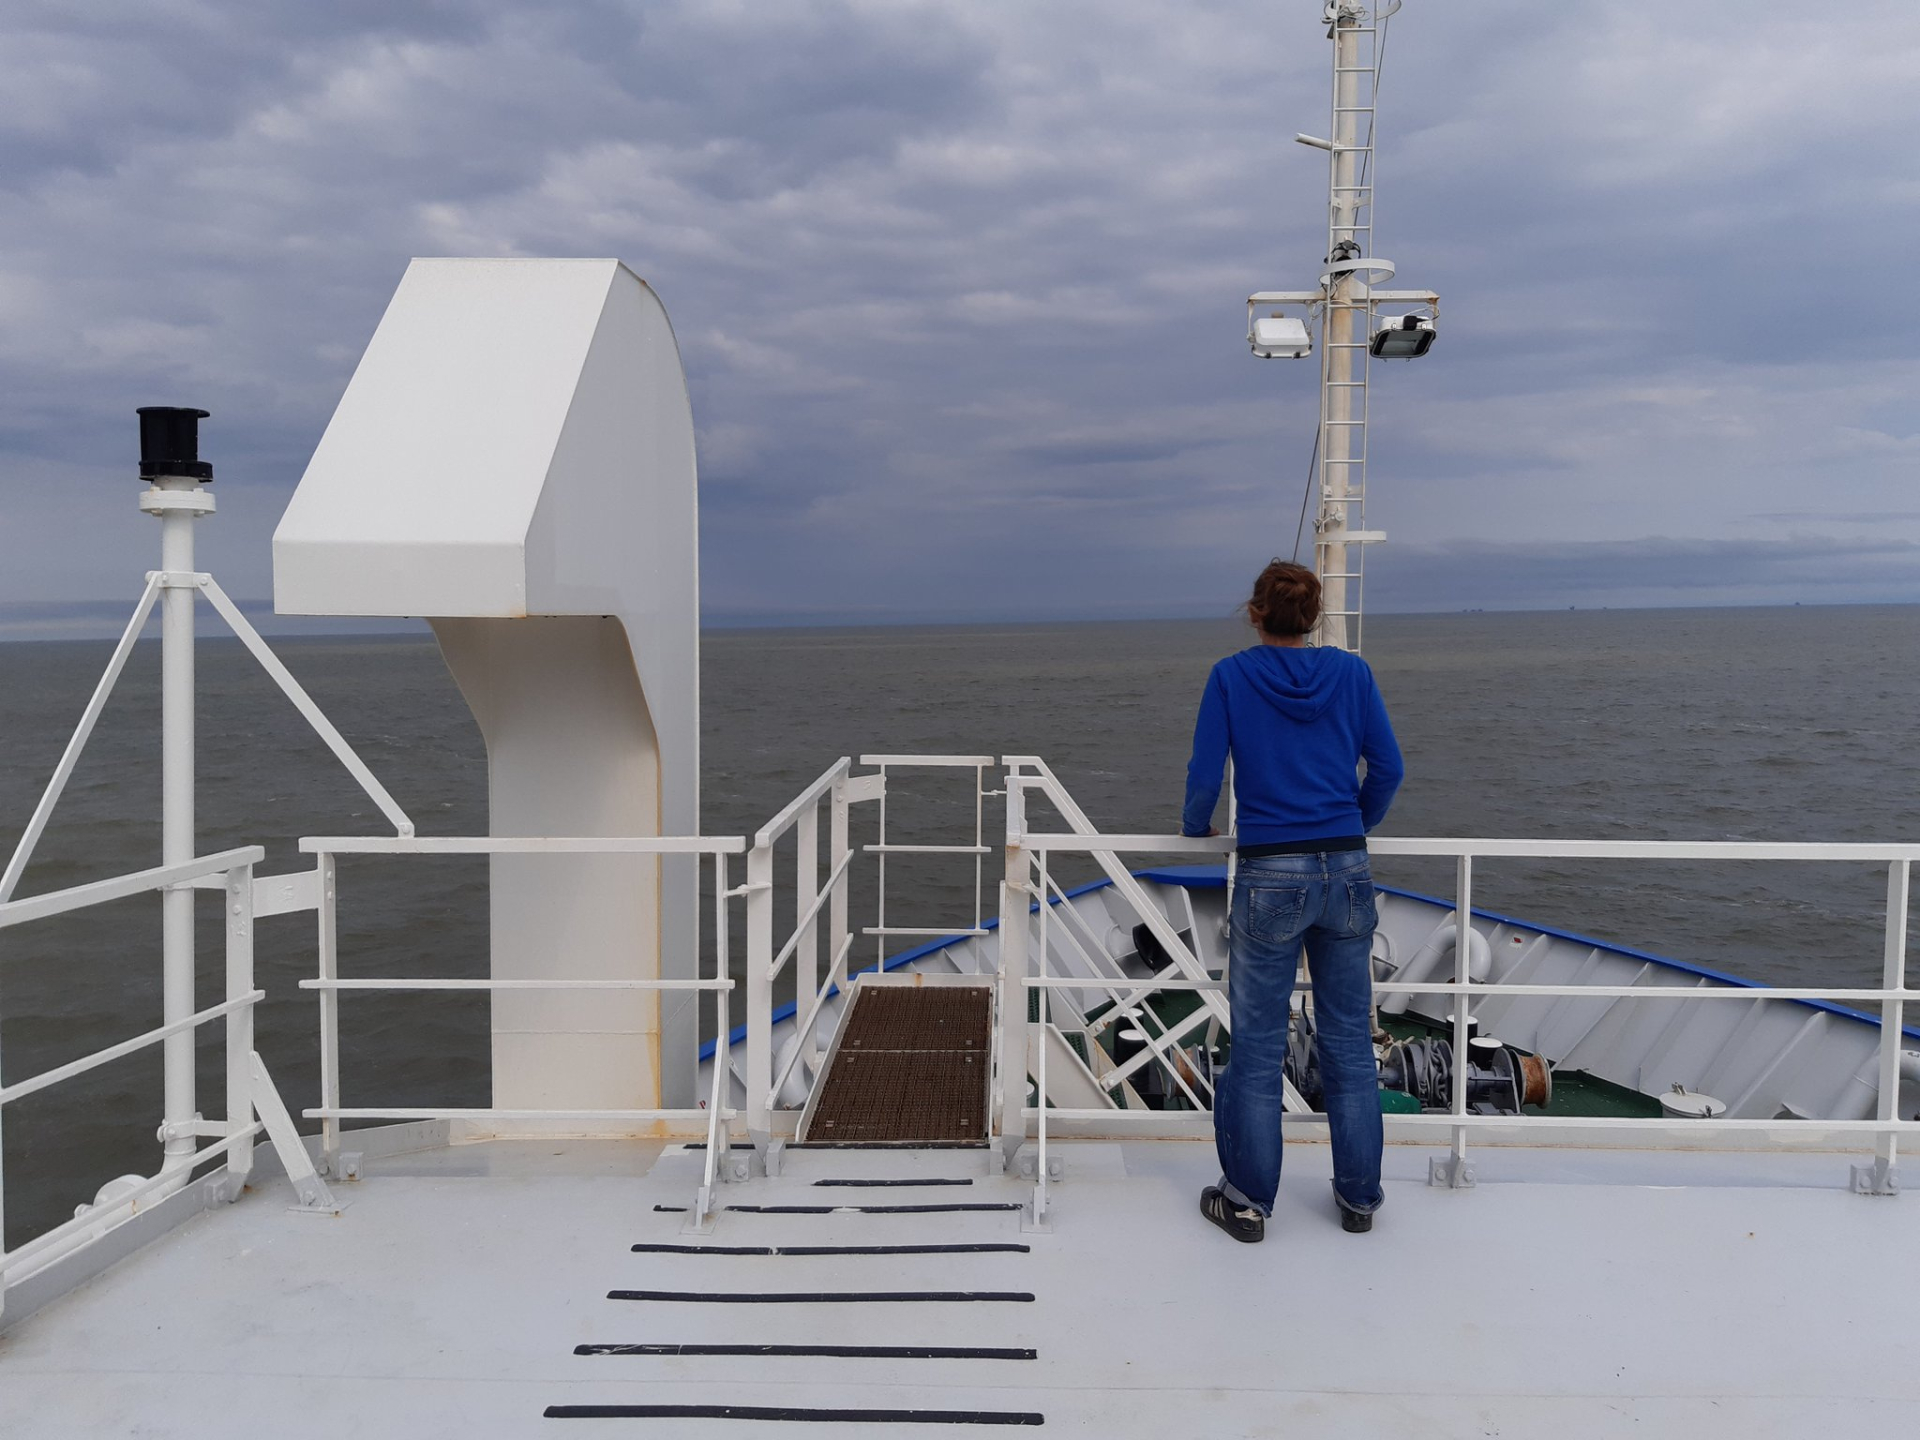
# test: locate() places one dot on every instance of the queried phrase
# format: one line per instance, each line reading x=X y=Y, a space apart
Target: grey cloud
x=958 y=287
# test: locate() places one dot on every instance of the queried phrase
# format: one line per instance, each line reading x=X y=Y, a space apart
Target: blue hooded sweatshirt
x=1297 y=722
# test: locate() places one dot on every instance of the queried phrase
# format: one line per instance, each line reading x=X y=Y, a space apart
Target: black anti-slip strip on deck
x=876 y=1209
x=830 y=1352
x=817 y=1297
x=985 y=1247
x=781 y=1412
x=876 y=1184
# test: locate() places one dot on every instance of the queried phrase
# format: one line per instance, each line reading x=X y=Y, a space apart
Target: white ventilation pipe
x=1427 y=961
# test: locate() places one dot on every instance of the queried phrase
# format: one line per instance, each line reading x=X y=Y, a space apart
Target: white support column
x=1341 y=441
x=178 y=589
x=1454 y=1172
x=838 y=846
x=328 y=950
x=1010 y=1122
x=1880 y=1178
x=239 y=925
x=759 y=994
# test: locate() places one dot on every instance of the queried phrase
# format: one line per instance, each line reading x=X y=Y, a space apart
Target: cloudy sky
x=959 y=285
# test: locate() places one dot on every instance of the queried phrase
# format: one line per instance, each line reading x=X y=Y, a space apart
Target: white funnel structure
x=513 y=460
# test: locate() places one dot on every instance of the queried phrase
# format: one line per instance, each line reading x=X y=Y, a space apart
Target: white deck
x=1572 y=1293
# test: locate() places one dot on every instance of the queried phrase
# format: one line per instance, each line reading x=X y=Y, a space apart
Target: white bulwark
x=513 y=460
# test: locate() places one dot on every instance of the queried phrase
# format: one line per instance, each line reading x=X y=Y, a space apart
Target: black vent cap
x=170 y=442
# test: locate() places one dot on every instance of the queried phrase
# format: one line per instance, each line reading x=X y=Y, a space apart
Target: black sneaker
x=1249 y=1226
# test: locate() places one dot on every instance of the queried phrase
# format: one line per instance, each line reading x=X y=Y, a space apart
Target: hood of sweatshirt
x=1298 y=682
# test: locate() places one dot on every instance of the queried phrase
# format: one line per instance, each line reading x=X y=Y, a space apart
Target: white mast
x=1345 y=302
x=1338 y=559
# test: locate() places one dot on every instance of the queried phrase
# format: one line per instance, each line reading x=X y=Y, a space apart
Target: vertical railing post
x=329 y=968
x=1453 y=1171
x=880 y=883
x=1880 y=1178
x=1044 y=997
x=1010 y=1121
x=806 y=953
x=837 y=849
x=979 y=842
x=722 y=970
x=239 y=924
x=759 y=994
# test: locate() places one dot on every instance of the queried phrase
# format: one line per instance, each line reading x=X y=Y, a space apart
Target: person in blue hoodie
x=1297 y=721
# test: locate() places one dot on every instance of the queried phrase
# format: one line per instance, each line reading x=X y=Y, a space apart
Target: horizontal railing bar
x=14 y=1259
x=1491 y=989
x=339 y=1113
x=523 y=844
x=138 y=882
x=126 y=1047
x=1655 y=1122
x=958 y=762
x=1446 y=1120
x=405 y=984
x=893 y=849
x=1510 y=849
x=928 y=934
x=1153 y=844
x=1070 y=982
x=1642 y=849
x=783 y=822
x=1638 y=992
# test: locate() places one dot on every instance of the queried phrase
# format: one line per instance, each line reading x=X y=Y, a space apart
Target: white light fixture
x=1280 y=337
x=1403 y=337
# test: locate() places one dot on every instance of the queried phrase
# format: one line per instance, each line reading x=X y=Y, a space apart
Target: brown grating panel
x=911 y=1068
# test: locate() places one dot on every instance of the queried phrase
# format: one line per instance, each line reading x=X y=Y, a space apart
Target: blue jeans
x=1280 y=901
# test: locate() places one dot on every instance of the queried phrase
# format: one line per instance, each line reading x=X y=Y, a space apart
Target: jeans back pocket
x=1274 y=911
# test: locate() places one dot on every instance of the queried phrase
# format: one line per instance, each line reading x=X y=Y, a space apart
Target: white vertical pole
x=1341 y=330
x=837 y=847
x=329 y=967
x=759 y=992
x=979 y=840
x=239 y=919
x=722 y=970
x=806 y=953
x=1462 y=951
x=1892 y=1016
x=1045 y=997
x=1013 y=976
x=176 y=816
x=880 y=884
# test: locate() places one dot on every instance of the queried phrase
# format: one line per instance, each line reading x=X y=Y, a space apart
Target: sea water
x=1777 y=724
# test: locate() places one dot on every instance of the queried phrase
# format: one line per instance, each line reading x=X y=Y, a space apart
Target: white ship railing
x=252 y=1104
x=837 y=791
x=1031 y=885
x=713 y=1117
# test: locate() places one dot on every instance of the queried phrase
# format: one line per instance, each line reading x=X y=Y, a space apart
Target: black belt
x=1331 y=845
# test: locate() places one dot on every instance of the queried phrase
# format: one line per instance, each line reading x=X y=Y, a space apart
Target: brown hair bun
x=1286 y=600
